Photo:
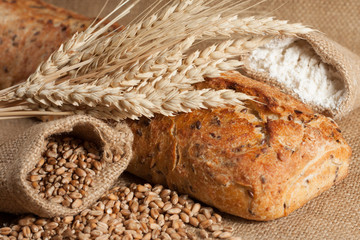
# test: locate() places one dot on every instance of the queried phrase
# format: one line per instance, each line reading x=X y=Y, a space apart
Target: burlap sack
x=339 y=20
x=22 y=143
x=343 y=60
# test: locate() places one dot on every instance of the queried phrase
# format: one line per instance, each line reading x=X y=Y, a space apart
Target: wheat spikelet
x=95 y=99
x=71 y=51
x=156 y=27
x=192 y=70
x=255 y=26
x=147 y=67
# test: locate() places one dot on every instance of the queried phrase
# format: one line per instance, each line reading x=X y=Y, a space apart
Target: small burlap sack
x=23 y=141
x=343 y=60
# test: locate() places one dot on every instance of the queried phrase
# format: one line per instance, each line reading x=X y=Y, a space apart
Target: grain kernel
x=35 y=178
x=204 y=234
x=206 y=223
x=5 y=231
x=195 y=209
x=194 y=221
x=80 y=172
x=51 y=225
x=225 y=235
x=26 y=231
x=76 y=204
x=174 y=211
x=216 y=234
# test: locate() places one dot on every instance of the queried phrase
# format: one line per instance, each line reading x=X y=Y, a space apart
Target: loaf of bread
x=260 y=163
x=30 y=30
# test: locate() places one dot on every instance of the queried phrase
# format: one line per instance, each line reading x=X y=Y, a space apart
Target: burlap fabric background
x=22 y=143
x=336 y=213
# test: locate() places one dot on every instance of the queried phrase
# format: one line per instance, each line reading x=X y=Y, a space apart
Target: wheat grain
x=111 y=104
x=66 y=170
x=234 y=25
x=127 y=212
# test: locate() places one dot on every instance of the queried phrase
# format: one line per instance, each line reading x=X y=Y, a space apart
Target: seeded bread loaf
x=30 y=30
x=258 y=163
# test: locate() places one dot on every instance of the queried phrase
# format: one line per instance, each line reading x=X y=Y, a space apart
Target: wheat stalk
x=147 y=67
x=95 y=99
x=152 y=94
x=71 y=51
x=216 y=26
x=209 y=62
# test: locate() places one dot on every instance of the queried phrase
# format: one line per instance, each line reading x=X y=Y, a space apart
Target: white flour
x=296 y=65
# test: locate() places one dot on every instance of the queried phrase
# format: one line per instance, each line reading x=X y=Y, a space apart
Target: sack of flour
x=312 y=68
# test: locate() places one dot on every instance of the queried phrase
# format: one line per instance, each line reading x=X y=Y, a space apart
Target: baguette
x=30 y=30
x=258 y=163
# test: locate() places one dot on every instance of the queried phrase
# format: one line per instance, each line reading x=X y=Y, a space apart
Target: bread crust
x=30 y=30
x=259 y=163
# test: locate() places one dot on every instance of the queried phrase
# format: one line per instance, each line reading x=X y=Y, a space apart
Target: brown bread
x=30 y=30
x=259 y=163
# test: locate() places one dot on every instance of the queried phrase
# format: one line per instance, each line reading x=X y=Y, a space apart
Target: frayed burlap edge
x=20 y=155
x=339 y=57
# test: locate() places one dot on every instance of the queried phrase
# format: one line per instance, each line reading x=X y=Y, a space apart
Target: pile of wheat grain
x=67 y=170
x=133 y=212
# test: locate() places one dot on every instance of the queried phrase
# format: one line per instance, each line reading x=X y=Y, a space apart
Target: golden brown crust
x=30 y=30
x=261 y=163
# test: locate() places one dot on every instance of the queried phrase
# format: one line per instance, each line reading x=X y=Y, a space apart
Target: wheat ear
x=146 y=68
x=229 y=26
x=158 y=96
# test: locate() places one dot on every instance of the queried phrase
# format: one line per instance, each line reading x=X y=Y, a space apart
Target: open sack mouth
x=323 y=77
x=294 y=64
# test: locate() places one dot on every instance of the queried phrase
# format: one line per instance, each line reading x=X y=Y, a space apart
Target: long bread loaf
x=30 y=30
x=259 y=163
